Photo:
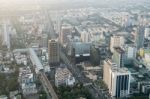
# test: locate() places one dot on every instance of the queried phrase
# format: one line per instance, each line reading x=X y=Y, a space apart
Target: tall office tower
x=53 y=52
x=65 y=31
x=139 y=37
x=6 y=35
x=118 y=56
x=117 y=79
x=58 y=22
x=85 y=37
x=44 y=40
x=116 y=41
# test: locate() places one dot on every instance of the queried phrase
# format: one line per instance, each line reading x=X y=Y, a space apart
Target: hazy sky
x=14 y=2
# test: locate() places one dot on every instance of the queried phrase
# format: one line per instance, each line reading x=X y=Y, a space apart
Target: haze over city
x=74 y=49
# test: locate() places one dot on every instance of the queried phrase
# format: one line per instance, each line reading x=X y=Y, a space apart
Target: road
x=75 y=71
x=98 y=94
x=48 y=86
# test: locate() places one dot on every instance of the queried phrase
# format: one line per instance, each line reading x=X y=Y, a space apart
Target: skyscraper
x=139 y=38
x=117 y=79
x=53 y=52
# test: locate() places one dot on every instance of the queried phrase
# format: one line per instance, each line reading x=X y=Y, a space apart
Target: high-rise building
x=130 y=53
x=139 y=37
x=65 y=31
x=6 y=35
x=117 y=79
x=116 y=41
x=53 y=52
x=119 y=56
x=44 y=40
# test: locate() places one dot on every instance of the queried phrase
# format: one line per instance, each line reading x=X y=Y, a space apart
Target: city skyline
x=74 y=49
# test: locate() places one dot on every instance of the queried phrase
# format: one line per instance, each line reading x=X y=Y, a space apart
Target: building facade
x=116 y=41
x=53 y=52
x=119 y=56
x=26 y=80
x=63 y=77
x=139 y=38
x=65 y=31
x=117 y=79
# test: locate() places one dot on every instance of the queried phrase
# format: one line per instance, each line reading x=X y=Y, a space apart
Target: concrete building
x=144 y=87
x=116 y=41
x=130 y=53
x=118 y=56
x=44 y=41
x=53 y=52
x=139 y=37
x=63 y=77
x=117 y=79
x=85 y=37
x=65 y=31
x=81 y=49
x=20 y=58
x=26 y=80
x=6 y=35
x=147 y=33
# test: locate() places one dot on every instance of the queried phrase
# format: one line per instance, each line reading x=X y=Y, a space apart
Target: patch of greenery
x=94 y=57
x=9 y=82
x=75 y=92
x=42 y=95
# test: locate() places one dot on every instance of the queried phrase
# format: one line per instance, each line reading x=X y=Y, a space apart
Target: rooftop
x=119 y=50
x=115 y=68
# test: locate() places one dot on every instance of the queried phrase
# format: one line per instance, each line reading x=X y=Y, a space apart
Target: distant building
x=85 y=37
x=116 y=41
x=6 y=34
x=144 y=87
x=63 y=77
x=65 y=31
x=139 y=37
x=118 y=56
x=44 y=41
x=147 y=33
x=79 y=51
x=130 y=53
x=20 y=58
x=53 y=52
x=117 y=79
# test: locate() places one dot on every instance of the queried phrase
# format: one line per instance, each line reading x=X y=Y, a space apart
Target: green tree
x=94 y=56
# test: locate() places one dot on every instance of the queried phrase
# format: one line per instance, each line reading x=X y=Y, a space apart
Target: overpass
x=47 y=86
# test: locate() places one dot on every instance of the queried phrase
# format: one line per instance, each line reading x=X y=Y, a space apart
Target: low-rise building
x=20 y=58
x=63 y=77
x=144 y=87
x=26 y=80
